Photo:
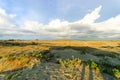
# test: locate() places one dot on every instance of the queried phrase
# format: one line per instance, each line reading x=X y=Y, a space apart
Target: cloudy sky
x=60 y=19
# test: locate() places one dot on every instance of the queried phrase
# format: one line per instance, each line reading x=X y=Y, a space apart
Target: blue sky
x=71 y=10
x=42 y=13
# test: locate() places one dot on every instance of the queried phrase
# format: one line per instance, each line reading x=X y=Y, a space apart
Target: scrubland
x=59 y=60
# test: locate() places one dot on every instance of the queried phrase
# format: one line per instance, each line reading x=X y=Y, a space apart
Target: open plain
x=59 y=60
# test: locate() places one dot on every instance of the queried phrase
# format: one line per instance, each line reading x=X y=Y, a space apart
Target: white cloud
x=85 y=28
x=91 y=17
x=6 y=19
x=32 y=25
x=110 y=25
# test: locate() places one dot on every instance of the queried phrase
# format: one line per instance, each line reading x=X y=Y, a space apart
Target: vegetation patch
x=37 y=55
x=104 y=68
x=70 y=67
x=70 y=63
x=12 y=76
x=74 y=64
x=89 y=56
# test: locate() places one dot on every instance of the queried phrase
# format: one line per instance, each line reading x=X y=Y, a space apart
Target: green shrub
x=91 y=64
x=13 y=75
x=70 y=63
x=37 y=55
x=11 y=57
x=71 y=67
x=104 y=68
x=116 y=72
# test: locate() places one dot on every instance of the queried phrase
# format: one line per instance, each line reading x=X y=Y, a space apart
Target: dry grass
x=39 y=45
x=13 y=63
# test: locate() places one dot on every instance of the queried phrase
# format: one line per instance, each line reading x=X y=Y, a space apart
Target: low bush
x=37 y=55
x=13 y=75
x=104 y=68
x=116 y=72
x=70 y=63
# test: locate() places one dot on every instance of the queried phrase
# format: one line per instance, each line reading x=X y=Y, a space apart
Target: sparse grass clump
x=70 y=63
x=92 y=64
x=104 y=68
x=11 y=57
x=12 y=76
x=70 y=68
x=37 y=55
x=116 y=72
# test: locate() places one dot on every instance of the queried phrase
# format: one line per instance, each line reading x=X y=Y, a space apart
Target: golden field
x=17 y=54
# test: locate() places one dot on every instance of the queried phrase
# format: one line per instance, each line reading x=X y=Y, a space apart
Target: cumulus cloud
x=6 y=19
x=85 y=28
x=6 y=23
x=91 y=17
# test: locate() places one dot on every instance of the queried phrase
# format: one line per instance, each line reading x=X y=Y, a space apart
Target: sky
x=60 y=19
